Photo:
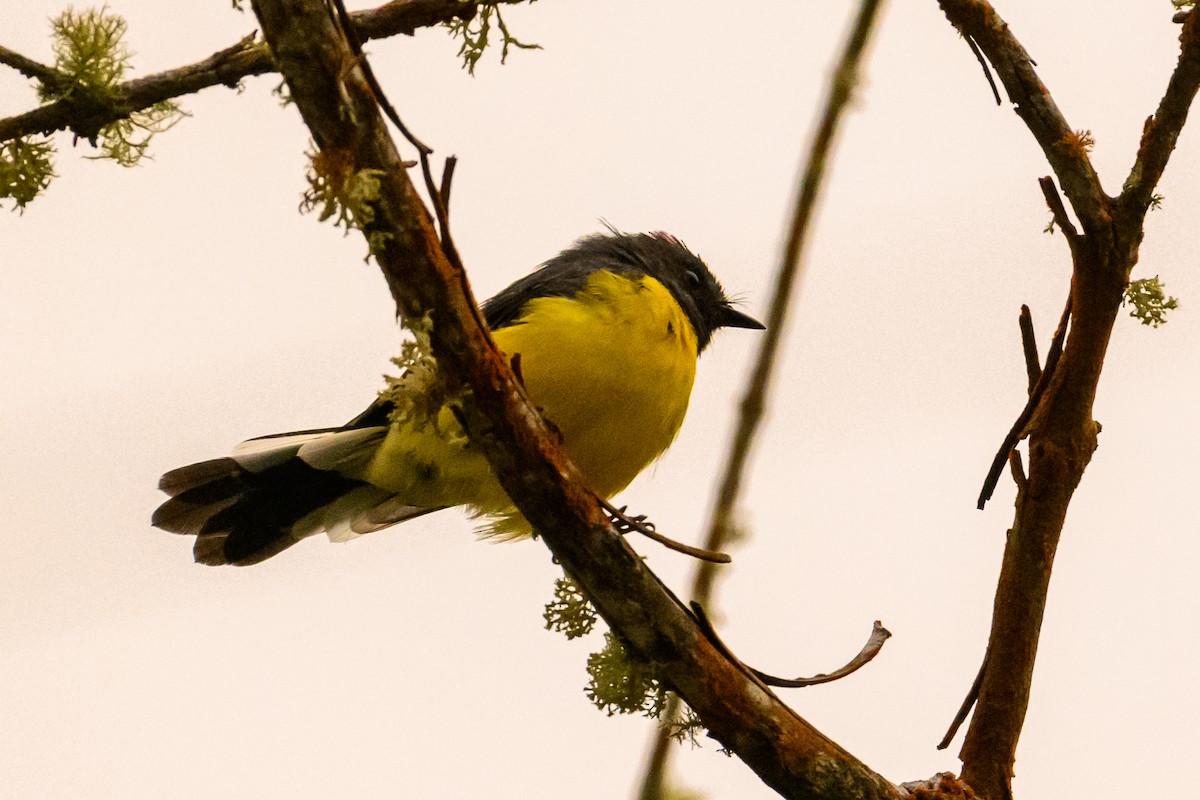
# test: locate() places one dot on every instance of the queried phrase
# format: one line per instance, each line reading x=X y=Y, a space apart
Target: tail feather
x=386 y=514
x=190 y=509
x=275 y=491
x=192 y=476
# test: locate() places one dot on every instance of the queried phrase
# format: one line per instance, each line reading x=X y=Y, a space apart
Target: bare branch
x=1057 y=419
x=879 y=635
x=1161 y=131
x=87 y=115
x=963 y=710
x=753 y=405
x=1057 y=210
x=28 y=67
x=987 y=70
x=625 y=524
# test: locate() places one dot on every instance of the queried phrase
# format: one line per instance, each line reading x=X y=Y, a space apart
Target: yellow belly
x=611 y=369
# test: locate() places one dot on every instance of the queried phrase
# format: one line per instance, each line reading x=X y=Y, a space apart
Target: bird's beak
x=732 y=318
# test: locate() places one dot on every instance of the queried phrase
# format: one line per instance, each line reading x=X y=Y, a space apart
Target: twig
x=1017 y=431
x=1057 y=210
x=879 y=635
x=627 y=524
x=1161 y=131
x=389 y=111
x=753 y=403
x=28 y=67
x=447 y=178
x=875 y=641
x=967 y=704
x=1016 y=468
x=1033 y=367
x=86 y=115
x=987 y=70
x=441 y=206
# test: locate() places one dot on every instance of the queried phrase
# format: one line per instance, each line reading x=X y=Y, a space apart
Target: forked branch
x=1057 y=419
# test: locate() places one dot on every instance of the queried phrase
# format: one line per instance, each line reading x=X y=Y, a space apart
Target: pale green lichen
x=623 y=685
x=90 y=59
x=338 y=190
x=1149 y=302
x=25 y=170
x=477 y=33
x=415 y=395
x=89 y=53
x=686 y=726
x=570 y=613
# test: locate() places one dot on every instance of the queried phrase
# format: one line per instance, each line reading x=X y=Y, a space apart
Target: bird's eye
x=692 y=278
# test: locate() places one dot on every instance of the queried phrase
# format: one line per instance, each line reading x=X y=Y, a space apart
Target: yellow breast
x=612 y=369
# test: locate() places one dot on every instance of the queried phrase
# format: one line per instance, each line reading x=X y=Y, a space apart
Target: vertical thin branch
x=841 y=91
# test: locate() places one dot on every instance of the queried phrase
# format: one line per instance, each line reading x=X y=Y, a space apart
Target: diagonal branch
x=1161 y=131
x=331 y=92
x=27 y=66
x=87 y=115
x=978 y=22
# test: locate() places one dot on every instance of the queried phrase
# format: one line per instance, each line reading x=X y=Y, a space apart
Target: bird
x=606 y=335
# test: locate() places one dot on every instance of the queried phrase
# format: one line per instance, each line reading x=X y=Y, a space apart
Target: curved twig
x=875 y=641
x=627 y=524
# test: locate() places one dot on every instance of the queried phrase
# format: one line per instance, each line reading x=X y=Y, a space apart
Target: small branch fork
x=1057 y=419
x=1020 y=427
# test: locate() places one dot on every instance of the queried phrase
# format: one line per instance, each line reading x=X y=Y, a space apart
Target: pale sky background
x=156 y=316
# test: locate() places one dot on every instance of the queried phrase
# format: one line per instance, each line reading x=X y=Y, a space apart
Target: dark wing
x=564 y=276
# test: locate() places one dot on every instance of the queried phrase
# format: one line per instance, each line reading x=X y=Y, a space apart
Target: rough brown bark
x=1062 y=434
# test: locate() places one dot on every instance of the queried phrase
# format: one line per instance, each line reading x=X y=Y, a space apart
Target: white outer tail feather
x=361 y=511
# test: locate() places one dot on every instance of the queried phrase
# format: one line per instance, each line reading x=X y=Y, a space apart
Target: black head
x=658 y=255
